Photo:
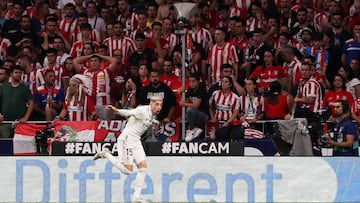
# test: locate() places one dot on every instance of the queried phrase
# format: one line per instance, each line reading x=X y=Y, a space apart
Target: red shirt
x=331 y=97
x=265 y=76
x=277 y=110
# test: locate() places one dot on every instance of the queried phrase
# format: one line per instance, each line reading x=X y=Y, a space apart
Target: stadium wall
x=182 y=179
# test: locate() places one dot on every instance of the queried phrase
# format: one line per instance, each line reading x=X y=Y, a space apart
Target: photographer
x=345 y=141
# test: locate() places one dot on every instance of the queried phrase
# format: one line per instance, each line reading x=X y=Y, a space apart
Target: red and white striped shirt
x=59 y=74
x=78 y=111
x=243 y=3
x=311 y=88
x=203 y=37
x=29 y=79
x=220 y=55
x=292 y=68
x=172 y=39
x=224 y=105
x=251 y=107
x=253 y=23
x=68 y=27
x=126 y=45
x=4 y=45
x=355 y=107
x=130 y=22
x=100 y=85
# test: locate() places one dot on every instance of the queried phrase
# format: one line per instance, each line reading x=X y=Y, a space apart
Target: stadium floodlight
x=184 y=12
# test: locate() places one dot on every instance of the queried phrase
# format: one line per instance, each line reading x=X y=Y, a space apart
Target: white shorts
x=130 y=153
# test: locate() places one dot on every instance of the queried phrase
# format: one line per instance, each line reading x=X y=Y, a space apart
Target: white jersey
x=138 y=122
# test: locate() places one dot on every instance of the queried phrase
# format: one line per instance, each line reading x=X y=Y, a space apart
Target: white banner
x=170 y=179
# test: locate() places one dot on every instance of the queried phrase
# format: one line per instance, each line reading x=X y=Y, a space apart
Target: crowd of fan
x=248 y=60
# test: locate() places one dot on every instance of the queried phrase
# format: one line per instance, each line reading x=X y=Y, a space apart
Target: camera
x=41 y=139
x=324 y=138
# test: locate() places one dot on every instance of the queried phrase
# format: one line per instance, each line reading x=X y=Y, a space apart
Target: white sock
x=117 y=162
x=139 y=181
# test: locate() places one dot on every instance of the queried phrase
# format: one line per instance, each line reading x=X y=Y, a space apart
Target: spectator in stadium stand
x=28 y=76
x=241 y=43
x=345 y=142
x=78 y=105
x=4 y=75
x=118 y=77
x=200 y=34
x=286 y=14
x=127 y=97
x=111 y=4
x=50 y=32
x=14 y=94
x=60 y=74
x=12 y=24
x=143 y=70
x=253 y=57
x=160 y=46
x=28 y=51
x=69 y=68
x=48 y=98
x=223 y=109
x=61 y=47
x=207 y=16
x=78 y=46
x=157 y=88
x=106 y=14
x=167 y=33
x=151 y=9
x=4 y=44
x=292 y=64
x=352 y=46
x=8 y=63
x=68 y=24
x=275 y=103
x=127 y=16
x=79 y=7
x=94 y=20
x=352 y=82
x=119 y=41
x=197 y=112
x=267 y=72
x=339 y=36
x=93 y=34
x=226 y=70
x=164 y=9
x=25 y=34
x=172 y=78
x=223 y=17
x=221 y=52
x=197 y=63
x=251 y=104
x=338 y=91
x=319 y=53
x=355 y=66
x=334 y=61
x=300 y=24
x=306 y=40
x=308 y=99
x=40 y=12
x=142 y=27
x=109 y=30
x=355 y=110
x=100 y=78
x=142 y=55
